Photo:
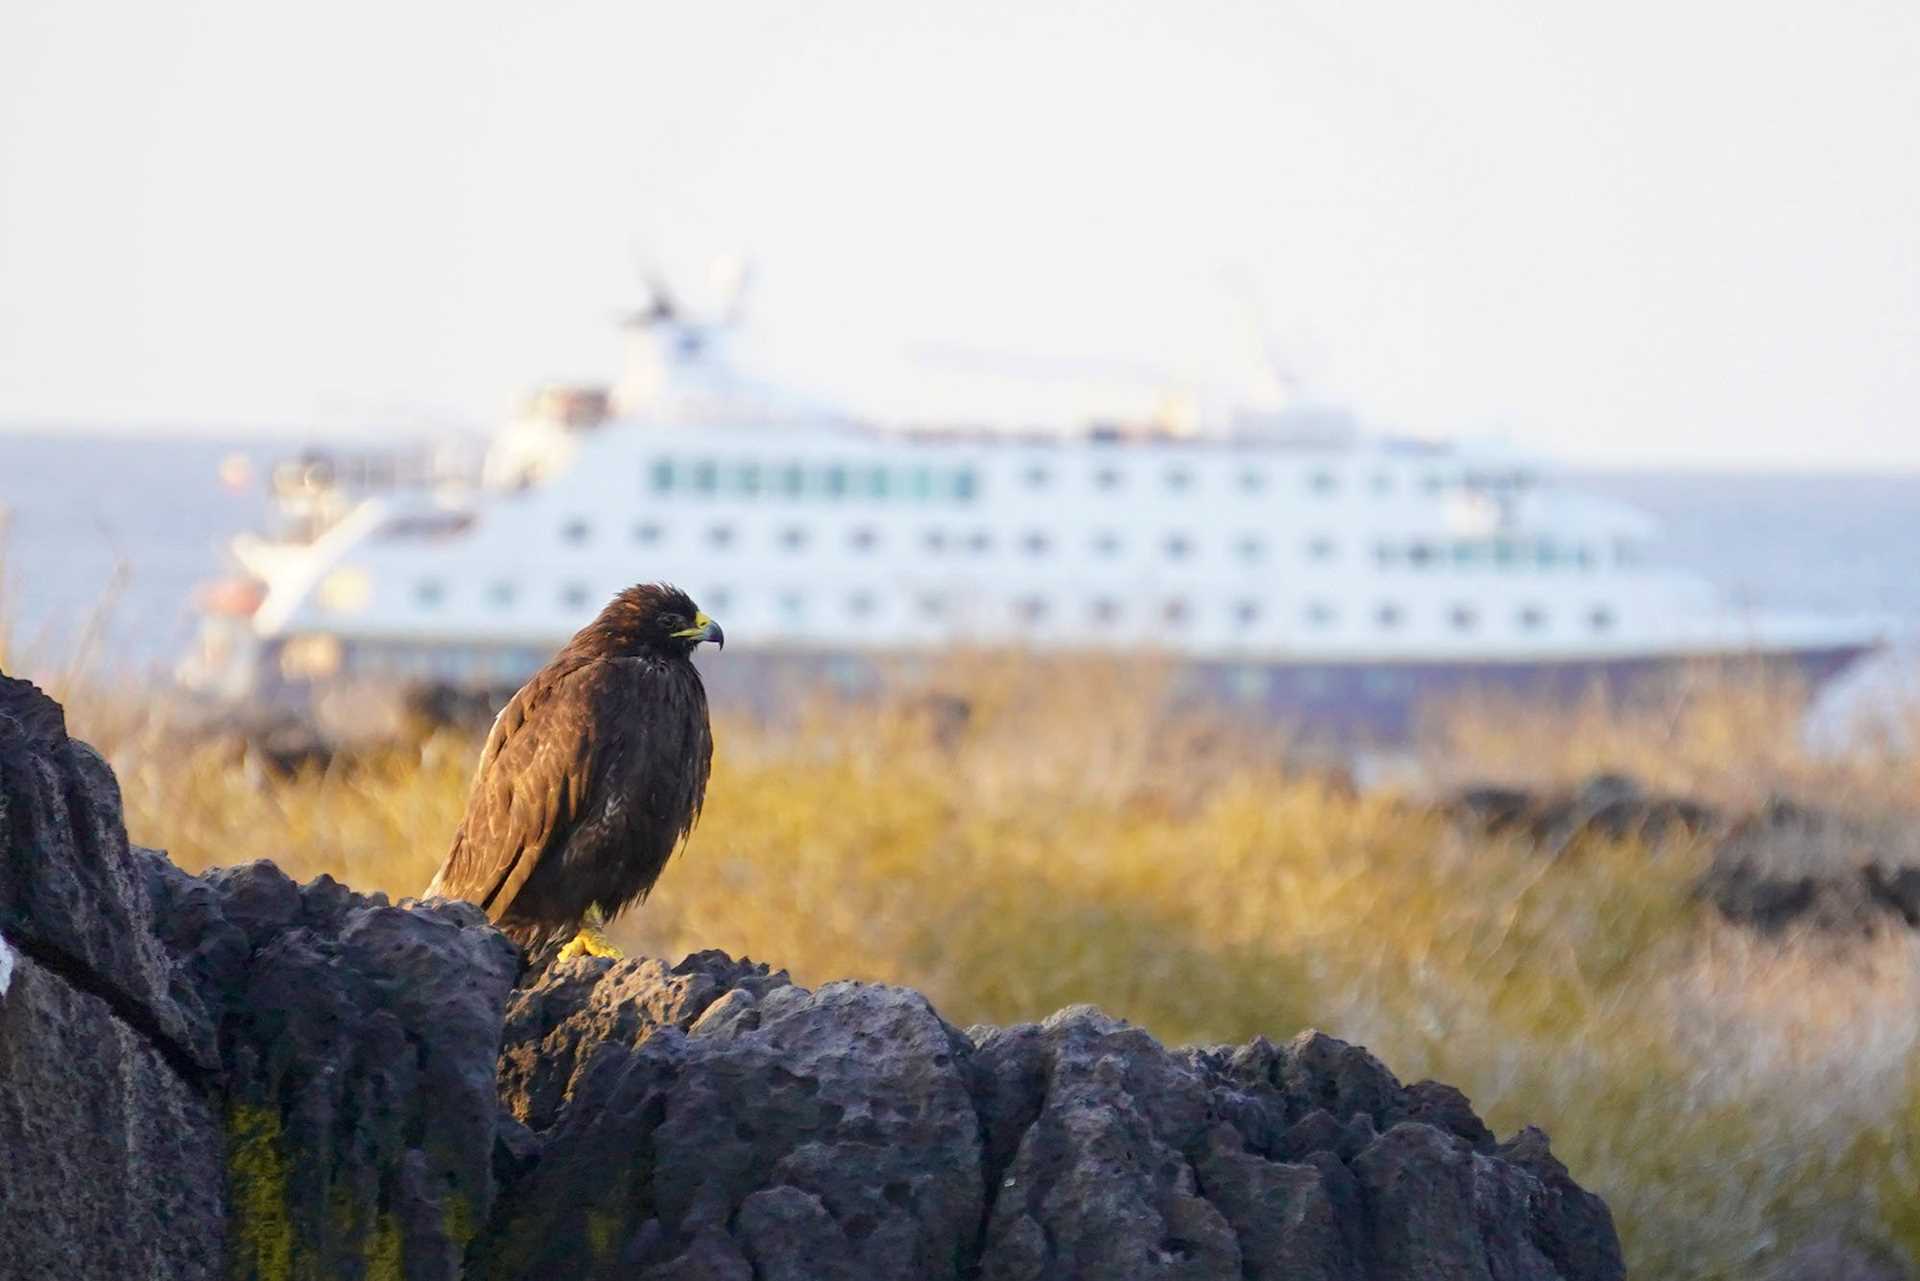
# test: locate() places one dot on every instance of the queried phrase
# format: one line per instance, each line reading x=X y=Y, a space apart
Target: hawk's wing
x=540 y=763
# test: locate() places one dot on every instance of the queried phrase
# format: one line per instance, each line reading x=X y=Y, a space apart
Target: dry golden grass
x=1730 y=1096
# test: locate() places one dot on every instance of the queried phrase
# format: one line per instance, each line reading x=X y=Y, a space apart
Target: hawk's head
x=651 y=618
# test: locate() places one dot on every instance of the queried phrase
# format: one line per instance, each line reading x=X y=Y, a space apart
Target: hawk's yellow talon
x=591 y=940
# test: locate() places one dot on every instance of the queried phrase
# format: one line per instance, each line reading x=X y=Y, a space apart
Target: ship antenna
x=1283 y=382
x=733 y=279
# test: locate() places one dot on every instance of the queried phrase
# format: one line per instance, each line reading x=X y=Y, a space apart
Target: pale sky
x=1632 y=232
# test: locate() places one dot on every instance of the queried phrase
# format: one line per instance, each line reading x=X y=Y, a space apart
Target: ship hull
x=1360 y=701
x=1384 y=701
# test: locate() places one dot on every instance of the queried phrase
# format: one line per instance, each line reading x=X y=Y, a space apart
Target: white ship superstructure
x=1287 y=541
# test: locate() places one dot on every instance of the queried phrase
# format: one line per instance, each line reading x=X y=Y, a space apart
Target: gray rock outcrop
x=1783 y=866
x=234 y=1075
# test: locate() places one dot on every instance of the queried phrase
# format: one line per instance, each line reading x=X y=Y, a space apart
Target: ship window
x=1469 y=553
x=646 y=533
x=576 y=531
x=310 y=657
x=1386 y=554
x=706 y=476
x=1422 y=555
x=793 y=606
x=1252 y=480
x=1246 y=612
x=879 y=483
x=920 y=483
x=1249 y=548
x=346 y=591
x=1036 y=476
x=1104 y=609
x=1532 y=618
x=835 y=478
x=429 y=592
x=1106 y=543
x=1320 y=548
x=1178 y=546
x=860 y=604
x=1107 y=478
x=1322 y=482
x=1387 y=616
x=979 y=541
x=964 y=484
x=1462 y=618
x=1249 y=684
x=1382 y=482
x=662 y=475
x=1320 y=614
x=1600 y=618
x=933 y=605
x=1504 y=552
x=1030 y=609
x=792 y=479
x=1036 y=543
x=746 y=479
x=1584 y=557
x=1381 y=685
x=1174 y=612
x=1628 y=553
x=863 y=539
x=793 y=537
x=720 y=537
x=934 y=540
x=1432 y=482
x=500 y=594
x=574 y=596
x=1178 y=479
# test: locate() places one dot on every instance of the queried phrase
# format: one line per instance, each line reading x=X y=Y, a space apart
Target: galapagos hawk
x=592 y=775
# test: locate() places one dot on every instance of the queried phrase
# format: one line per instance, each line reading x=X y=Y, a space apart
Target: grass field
x=1734 y=1099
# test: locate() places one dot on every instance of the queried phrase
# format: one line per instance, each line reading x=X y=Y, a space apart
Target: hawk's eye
x=672 y=622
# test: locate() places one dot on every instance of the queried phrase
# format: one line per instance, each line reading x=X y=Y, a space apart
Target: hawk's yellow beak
x=703 y=629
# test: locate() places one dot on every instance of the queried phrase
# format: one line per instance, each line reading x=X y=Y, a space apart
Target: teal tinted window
x=879 y=483
x=964 y=484
x=920 y=483
x=835 y=481
x=746 y=479
x=705 y=476
x=793 y=480
x=661 y=475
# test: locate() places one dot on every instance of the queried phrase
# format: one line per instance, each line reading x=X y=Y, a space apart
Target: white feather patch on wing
x=6 y=965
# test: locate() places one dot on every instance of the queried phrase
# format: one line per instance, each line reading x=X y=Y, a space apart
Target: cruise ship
x=1294 y=565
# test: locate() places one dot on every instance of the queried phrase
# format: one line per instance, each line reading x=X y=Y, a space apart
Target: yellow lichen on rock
x=260 y=1232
